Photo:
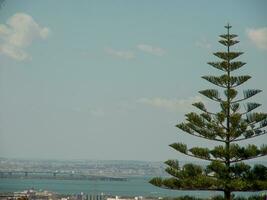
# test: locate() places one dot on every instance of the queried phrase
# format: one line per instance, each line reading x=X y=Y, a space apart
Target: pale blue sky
x=110 y=79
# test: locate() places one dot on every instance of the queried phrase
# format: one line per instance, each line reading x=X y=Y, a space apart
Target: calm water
x=132 y=187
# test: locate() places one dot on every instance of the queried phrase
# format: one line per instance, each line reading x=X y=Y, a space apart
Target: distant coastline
x=85 y=169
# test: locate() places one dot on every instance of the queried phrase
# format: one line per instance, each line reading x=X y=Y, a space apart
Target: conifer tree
x=226 y=170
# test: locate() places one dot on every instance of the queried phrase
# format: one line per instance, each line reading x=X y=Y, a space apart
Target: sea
x=132 y=187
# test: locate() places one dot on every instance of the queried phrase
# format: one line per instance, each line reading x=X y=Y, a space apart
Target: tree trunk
x=227 y=195
x=227 y=192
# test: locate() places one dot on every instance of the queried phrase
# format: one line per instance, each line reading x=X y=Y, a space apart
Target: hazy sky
x=111 y=79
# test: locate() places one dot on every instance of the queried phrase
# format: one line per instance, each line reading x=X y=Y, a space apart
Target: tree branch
x=255 y=122
x=239 y=100
x=244 y=138
x=193 y=188
x=238 y=160
x=200 y=136
x=202 y=158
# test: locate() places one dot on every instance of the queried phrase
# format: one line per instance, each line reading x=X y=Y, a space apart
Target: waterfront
x=131 y=187
x=68 y=177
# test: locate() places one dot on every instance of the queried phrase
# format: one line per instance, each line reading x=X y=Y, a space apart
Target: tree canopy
x=226 y=170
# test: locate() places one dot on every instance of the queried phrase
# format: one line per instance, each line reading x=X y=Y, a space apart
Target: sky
x=109 y=80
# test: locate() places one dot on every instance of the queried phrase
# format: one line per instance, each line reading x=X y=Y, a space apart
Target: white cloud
x=203 y=43
x=98 y=112
x=170 y=104
x=151 y=50
x=258 y=37
x=121 y=54
x=92 y=111
x=18 y=33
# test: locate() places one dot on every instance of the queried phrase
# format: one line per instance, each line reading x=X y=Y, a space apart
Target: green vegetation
x=261 y=197
x=226 y=171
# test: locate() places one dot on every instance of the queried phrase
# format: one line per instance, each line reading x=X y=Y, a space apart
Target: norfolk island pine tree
x=226 y=170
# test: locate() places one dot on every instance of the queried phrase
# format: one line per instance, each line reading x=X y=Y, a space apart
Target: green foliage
x=183 y=198
x=200 y=106
x=256 y=117
x=225 y=80
x=231 y=93
x=240 y=170
x=251 y=106
x=227 y=55
x=218 y=152
x=219 y=197
x=211 y=93
x=228 y=36
x=225 y=66
x=179 y=147
x=200 y=152
x=226 y=172
x=172 y=163
x=228 y=42
x=250 y=93
x=259 y=172
x=191 y=170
